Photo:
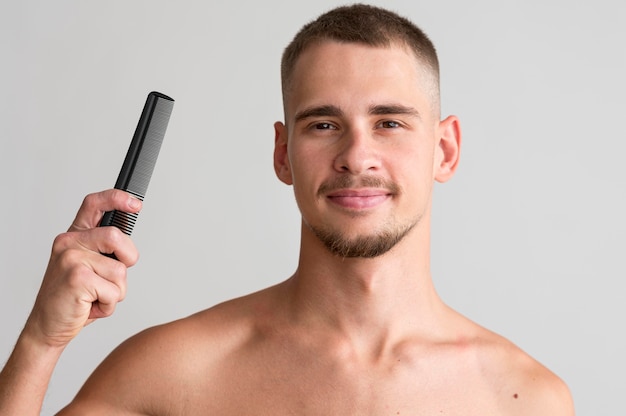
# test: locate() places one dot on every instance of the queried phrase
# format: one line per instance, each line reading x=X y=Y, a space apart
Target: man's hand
x=79 y=286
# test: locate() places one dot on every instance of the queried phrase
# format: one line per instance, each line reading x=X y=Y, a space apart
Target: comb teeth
x=124 y=221
x=150 y=146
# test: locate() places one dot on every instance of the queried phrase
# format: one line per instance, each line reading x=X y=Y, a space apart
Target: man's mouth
x=359 y=198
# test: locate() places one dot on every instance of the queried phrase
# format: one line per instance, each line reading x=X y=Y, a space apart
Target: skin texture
x=362 y=148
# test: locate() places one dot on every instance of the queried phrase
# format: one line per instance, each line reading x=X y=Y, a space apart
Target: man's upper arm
x=130 y=381
x=558 y=399
x=549 y=395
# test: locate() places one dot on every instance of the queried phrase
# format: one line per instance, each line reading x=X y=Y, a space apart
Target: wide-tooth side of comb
x=134 y=177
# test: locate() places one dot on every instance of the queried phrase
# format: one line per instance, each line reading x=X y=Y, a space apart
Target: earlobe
x=281 y=157
x=448 y=150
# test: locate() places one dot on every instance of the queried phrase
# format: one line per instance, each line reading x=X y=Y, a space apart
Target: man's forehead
x=328 y=68
x=341 y=47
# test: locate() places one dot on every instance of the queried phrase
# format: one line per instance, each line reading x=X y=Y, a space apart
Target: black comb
x=141 y=157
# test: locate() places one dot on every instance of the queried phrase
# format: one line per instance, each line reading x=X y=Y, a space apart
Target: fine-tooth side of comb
x=141 y=157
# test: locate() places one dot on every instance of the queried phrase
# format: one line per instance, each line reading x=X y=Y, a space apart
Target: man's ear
x=448 y=149
x=281 y=158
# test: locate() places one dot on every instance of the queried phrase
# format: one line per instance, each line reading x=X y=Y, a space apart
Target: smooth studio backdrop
x=528 y=238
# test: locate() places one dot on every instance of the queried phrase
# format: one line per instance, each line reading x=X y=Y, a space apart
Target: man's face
x=359 y=146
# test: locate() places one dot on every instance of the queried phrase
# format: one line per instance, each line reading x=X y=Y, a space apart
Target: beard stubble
x=371 y=245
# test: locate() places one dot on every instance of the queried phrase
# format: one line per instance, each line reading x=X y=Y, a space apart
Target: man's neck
x=369 y=301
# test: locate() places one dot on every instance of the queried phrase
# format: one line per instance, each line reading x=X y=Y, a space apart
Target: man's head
x=367 y=25
x=362 y=141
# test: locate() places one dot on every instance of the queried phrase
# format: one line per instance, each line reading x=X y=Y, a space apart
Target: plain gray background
x=528 y=237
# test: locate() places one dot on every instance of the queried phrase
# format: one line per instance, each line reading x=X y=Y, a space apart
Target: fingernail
x=134 y=203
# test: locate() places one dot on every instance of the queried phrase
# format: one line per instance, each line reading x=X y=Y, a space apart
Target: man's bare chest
x=309 y=389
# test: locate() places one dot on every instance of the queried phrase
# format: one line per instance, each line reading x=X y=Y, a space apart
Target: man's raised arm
x=80 y=285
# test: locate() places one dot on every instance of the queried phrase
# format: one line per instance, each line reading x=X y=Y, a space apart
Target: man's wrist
x=25 y=377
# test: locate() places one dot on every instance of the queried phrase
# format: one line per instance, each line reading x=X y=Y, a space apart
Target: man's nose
x=358 y=152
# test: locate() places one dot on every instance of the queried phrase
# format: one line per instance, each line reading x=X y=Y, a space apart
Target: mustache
x=348 y=181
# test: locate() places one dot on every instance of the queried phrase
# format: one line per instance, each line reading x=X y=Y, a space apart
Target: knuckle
x=121 y=283
x=75 y=280
x=122 y=291
x=75 y=270
x=117 y=196
x=110 y=238
x=133 y=257
x=95 y=200
x=118 y=271
x=68 y=258
x=123 y=246
x=61 y=242
x=106 y=309
x=113 y=235
x=89 y=201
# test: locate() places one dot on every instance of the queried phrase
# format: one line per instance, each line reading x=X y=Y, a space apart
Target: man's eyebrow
x=384 y=109
x=319 y=111
x=334 y=111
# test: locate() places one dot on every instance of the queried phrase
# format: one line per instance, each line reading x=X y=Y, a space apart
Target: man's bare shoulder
x=525 y=386
x=162 y=368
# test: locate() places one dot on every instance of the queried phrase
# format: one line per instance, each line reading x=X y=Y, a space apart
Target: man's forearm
x=25 y=377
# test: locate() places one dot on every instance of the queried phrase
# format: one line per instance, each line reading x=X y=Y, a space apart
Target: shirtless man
x=358 y=329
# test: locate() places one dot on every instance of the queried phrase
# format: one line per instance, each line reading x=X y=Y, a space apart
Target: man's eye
x=324 y=126
x=388 y=124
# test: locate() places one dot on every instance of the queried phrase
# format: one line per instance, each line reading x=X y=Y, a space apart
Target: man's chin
x=362 y=246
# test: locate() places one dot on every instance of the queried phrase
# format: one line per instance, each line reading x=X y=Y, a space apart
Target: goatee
x=366 y=246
